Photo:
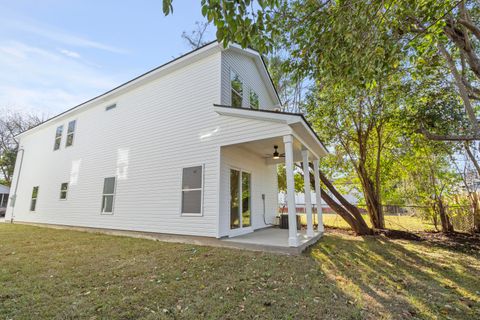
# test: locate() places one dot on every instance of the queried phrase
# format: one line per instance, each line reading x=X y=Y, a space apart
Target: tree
x=196 y=38
x=12 y=123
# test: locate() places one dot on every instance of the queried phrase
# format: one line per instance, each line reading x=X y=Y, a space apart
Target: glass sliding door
x=246 y=215
x=234 y=199
x=240 y=199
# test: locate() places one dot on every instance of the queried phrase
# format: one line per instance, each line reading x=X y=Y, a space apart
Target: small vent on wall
x=110 y=107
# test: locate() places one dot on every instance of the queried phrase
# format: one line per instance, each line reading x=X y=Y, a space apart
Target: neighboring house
x=4 y=192
x=184 y=149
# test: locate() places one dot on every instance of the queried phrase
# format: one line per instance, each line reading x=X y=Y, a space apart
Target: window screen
x=237 y=90
x=192 y=184
x=58 y=138
x=70 y=133
x=108 y=194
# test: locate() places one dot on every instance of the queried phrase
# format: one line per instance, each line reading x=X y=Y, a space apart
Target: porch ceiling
x=264 y=148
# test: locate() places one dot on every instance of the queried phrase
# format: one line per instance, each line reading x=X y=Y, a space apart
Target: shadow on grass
x=402 y=279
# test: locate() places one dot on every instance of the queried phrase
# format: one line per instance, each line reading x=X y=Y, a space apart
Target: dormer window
x=254 y=103
x=236 y=90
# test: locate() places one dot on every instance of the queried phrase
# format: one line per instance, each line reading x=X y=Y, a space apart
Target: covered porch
x=259 y=157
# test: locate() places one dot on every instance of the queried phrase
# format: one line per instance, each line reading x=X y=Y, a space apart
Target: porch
x=272 y=239
x=249 y=206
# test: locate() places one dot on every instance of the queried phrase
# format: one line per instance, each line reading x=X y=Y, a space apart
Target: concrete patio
x=273 y=240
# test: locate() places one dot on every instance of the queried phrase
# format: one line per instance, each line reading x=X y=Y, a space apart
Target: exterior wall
x=248 y=71
x=264 y=181
x=155 y=131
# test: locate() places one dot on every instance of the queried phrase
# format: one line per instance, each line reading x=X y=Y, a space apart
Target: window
x=58 y=138
x=70 y=133
x=237 y=90
x=33 y=203
x=63 y=191
x=192 y=185
x=110 y=107
x=254 y=103
x=240 y=199
x=108 y=195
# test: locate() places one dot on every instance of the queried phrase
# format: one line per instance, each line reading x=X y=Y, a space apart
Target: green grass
x=405 y=223
x=50 y=273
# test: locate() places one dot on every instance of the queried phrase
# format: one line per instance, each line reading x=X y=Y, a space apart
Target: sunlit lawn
x=50 y=273
x=406 y=223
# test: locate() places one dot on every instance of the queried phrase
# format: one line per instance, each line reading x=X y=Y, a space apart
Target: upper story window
x=58 y=138
x=254 y=102
x=70 y=133
x=237 y=89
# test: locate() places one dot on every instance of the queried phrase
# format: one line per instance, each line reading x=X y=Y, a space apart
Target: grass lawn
x=51 y=273
x=405 y=223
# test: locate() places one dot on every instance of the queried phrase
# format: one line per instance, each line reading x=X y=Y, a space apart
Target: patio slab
x=271 y=239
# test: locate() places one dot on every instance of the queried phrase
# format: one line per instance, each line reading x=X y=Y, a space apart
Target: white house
x=186 y=148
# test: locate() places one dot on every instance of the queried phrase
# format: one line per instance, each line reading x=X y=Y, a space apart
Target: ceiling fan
x=276 y=154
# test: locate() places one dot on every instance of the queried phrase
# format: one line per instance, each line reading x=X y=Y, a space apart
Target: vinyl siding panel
x=157 y=129
x=146 y=141
x=248 y=71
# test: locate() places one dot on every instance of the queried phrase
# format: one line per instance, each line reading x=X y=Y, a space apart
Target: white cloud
x=71 y=54
x=57 y=35
x=47 y=81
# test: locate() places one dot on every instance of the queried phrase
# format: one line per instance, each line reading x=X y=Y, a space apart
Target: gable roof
x=185 y=59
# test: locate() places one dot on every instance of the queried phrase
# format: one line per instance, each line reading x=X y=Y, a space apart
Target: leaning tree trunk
x=341 y=206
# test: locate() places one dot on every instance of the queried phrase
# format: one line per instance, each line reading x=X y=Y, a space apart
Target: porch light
x=276 y=155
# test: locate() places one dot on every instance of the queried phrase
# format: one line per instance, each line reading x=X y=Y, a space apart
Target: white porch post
x=292 y=208
x=318 y=195
x=308 y=194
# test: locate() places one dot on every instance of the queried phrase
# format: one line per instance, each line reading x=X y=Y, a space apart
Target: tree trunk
x=372 y=199
x=447 y=226
x=476 y=212
x=343 y=208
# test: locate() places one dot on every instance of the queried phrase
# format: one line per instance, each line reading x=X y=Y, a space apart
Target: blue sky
x=55 y=54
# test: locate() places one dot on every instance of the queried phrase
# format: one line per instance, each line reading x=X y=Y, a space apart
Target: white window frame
x=66 y=191
x=109 y=194
x=58 y=138
x=190 y=214
x=232 y=90
x=36 y=199
x=72 y=133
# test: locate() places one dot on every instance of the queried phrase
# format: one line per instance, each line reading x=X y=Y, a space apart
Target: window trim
x=36 y=199
x=232 y=90
x=109 y=194
x=72 y=133
x=58 y=138
x=202 y=188
x=66 y=191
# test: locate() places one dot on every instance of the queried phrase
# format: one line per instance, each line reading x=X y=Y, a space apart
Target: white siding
x=157 y=128
x=148 y=138
x=248 y=71
x=264 y=181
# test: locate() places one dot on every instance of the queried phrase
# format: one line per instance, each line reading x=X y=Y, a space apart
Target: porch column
x=308 y=194
x=318 y=195
x=292 y=208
